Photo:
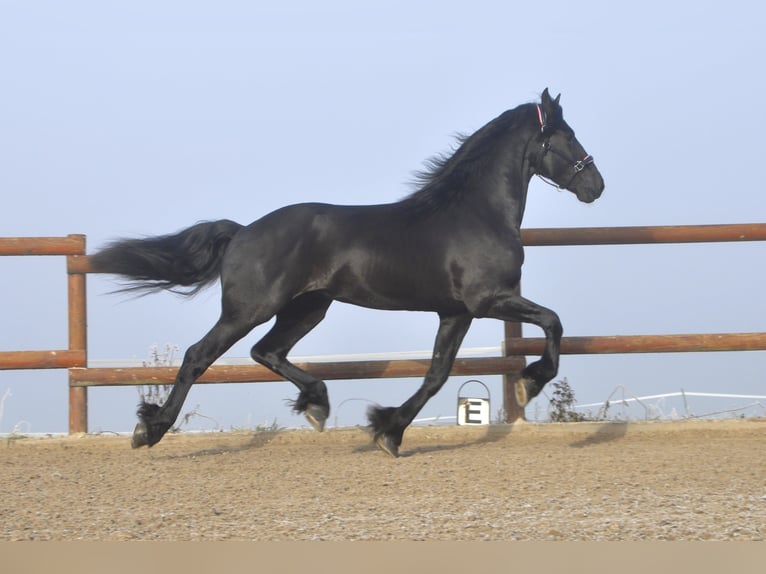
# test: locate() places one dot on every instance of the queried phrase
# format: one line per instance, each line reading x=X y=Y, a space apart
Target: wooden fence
x=76 y=356
x=515 y=348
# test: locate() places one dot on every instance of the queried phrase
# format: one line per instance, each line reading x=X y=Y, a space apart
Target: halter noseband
x=577 y=165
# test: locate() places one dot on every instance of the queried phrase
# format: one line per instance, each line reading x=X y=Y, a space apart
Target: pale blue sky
x=140 y=118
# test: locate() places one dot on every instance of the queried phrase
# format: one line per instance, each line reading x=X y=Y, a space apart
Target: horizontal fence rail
x=18 y=360
x=70 y=245
x=644 y=235
x=515 y=348
x=624 y=344
x=404 y=368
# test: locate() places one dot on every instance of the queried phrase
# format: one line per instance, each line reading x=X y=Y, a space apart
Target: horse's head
x=562 y=160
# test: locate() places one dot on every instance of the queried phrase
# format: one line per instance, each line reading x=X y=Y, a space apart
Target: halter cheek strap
x=577 y=165
x=543 y=117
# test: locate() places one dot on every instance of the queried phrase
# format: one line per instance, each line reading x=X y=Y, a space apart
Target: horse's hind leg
x=155 y=420
x=293 y=322
x=388 y=424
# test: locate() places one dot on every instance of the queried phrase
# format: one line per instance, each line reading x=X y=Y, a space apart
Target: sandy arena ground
x=585 y=481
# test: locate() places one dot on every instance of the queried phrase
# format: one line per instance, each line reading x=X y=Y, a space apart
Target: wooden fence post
x=78 y=340
x=513 y=411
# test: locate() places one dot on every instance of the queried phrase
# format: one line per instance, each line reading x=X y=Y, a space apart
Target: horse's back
x=364 y=255
x=374 y=256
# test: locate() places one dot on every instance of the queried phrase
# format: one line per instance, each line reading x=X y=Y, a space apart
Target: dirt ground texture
x=574 y=481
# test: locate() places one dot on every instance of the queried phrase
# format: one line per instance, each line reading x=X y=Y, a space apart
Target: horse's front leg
x=388 y=424
x=514 y=307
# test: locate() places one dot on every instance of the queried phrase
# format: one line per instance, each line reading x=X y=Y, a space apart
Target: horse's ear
x=551 y=111
x=549 y=104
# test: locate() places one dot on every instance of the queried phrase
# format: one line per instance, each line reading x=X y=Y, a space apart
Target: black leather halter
x=577 y=165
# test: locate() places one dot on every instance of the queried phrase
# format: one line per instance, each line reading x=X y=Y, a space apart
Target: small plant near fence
x=562 y=404
x=158 y=394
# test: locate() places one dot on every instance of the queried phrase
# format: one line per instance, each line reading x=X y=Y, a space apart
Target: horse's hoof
x=140 y=435
x=317 y=416
x=522 y=397
x=387 y=445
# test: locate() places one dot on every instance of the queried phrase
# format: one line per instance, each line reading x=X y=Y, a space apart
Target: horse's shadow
x=262 y=439
x=257 y=440
x=494 y=433
x=607 y=432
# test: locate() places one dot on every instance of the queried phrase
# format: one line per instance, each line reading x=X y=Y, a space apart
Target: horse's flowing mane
x=447 y=176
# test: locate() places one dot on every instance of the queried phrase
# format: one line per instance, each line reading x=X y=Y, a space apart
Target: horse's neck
x=512 y=201
x=505 y=194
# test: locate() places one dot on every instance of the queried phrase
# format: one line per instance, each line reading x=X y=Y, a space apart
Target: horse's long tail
x=188 y=259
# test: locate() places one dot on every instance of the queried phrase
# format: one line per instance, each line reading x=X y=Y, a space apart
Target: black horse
x=452 y=247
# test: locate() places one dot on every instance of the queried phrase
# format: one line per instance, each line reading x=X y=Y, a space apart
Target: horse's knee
x=553 y=325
